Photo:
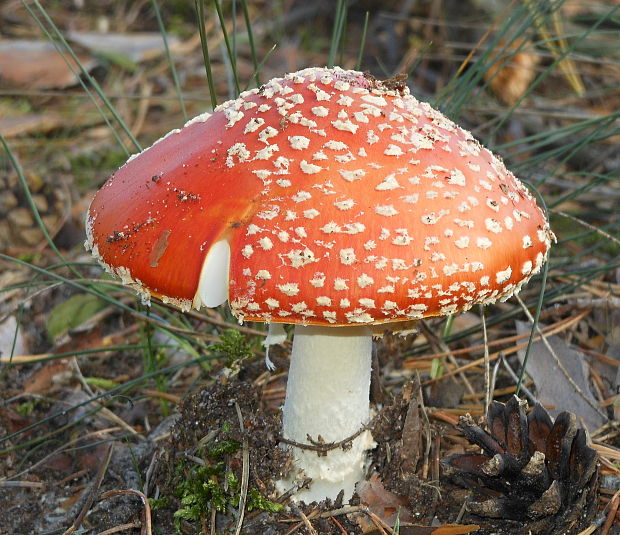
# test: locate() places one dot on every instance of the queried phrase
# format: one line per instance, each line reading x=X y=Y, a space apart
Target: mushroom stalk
x=327 y=399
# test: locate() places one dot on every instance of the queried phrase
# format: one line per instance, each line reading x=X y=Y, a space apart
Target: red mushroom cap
x=344 y=200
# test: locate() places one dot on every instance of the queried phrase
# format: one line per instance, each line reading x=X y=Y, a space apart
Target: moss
x=26 y=408
x=207 y=483
x=256 y=500
x=233 y=346
x=224 y=447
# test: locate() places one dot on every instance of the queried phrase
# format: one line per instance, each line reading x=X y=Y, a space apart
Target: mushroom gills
x=213 y=284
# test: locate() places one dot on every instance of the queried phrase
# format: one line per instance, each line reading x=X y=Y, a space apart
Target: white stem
x=327 y=396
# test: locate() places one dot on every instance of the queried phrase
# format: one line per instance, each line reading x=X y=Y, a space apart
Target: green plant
x=211 y=485
x=234 y=346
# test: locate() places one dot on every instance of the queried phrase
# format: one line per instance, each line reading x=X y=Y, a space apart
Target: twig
x=487 y=363
x=427 y=423
x=459 y=517
x=321 y=448
x=609 y=303
x=61 y=449
x=604 y=428
x=590 y=529
x=587 y=225
x=145 y=501
x=607 y=451
x=213 y=521
x=245 y=471
x=94 y=488
x=531 y=397
x=494 y=377
x=294 y=528
x=121 y=527
x=105 y=412
x=553 y=328
x=559 y=363
x=611 y=515
x=410 y=441
x=340 y=527
x=286 y=496
x=443 y=416
x=149 y=472
x=22 y=484
x=381 y=525
x=346 y=510
x=162 y=395
x=304 y=518
x=435 y=340
x=558 y=327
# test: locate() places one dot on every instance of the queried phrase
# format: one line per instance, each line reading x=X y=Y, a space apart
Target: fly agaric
x=329 y=200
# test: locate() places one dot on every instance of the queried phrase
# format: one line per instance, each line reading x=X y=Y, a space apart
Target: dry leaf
x=136 y=46
x=38 y=123
x=60 y=462
x=12 y=421
x=383 y=503
x=447 y=529
x=48 y=377
x=69 y=502
x=37 y=65
x=553 y=388
x=510 y=77
x=453 y=529
x=10 y=343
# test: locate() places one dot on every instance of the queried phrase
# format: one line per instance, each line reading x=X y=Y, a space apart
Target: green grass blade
x=248 y=25
x=93 y=351
x=233 y=37
x=33 y=207
x=173 y=70
x=343 y=34
x=539 y=304
x=458 y=91
x=229 y=50
x=200 y=10
x=260 y=65
x=80 y=80
x=339 y=20
x=597 y=180
x=58 y=35
x=74 y=284
x=360 y=56
x=561 y=56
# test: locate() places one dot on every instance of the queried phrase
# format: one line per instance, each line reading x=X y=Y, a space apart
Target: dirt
x=213 y=428
x=212 y=412
x=207 y=419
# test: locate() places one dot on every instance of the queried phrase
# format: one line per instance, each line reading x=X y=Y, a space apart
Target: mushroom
x=332 y=201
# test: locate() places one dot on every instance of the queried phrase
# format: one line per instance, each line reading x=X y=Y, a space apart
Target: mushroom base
x=327 y=399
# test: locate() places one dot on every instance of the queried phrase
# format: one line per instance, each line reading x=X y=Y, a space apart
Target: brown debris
x=37 y=64
x=512 y=72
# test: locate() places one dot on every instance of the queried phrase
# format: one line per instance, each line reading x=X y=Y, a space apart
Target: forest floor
x=121 y=418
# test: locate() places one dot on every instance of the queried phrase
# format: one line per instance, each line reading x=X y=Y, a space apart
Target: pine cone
x=535 y=471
